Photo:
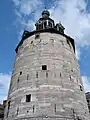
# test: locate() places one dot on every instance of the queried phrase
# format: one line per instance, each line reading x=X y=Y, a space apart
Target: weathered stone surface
x=56 y=93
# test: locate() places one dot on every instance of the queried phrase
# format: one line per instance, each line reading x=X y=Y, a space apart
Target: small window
x=28 y=98
x=18 y=80
x=55 y=108
x=44 y=67
x=20 y=72
x=37 y=36
x=9 y=104
x=81 y=88
x=27 y=76
x=70 y=77
x=68 y=43
x=46 y=74
x=17 y=111
x=31 y=42
x=36 y=74
x=33 y=108
x=60 y=75
x=88 y=101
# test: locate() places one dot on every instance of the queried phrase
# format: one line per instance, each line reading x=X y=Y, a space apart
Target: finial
x=45 y=8
x=45 y=13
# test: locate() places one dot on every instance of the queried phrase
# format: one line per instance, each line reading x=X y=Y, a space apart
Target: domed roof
x=45 y=13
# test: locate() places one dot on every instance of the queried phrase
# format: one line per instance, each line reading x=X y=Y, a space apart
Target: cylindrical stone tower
x=46 y=82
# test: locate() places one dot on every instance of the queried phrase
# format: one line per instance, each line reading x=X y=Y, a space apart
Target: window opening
x=31 y=42
x=60 y=75
x=36 y=74
x=54 y=74
x=9 y=104
x=27 y=76
x=50 y=24
x=88 y=101
x=18 y=80
x=17 y=110
x=28 y=98
x=45 y=24
x=81 y=88
x=46 y=74
x=68 y=43
x=55 y=108
x=71 y=78
x=37 y=36
x=8 y=107
x=33 y=108
x=44 y=67
x=20 y=72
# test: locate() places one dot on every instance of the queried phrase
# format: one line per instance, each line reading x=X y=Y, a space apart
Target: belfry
x=46 y=82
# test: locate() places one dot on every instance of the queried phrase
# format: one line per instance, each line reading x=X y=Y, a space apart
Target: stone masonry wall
x=55 y=93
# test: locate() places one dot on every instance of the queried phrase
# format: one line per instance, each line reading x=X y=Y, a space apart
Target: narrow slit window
x=68 y=43
x=28 y=98
x=44 y=67
x=33 y=108
x=31 y=42
x=17 y=111
x=37 y=36
x=55 y=108
x=71 y=78
x=18 y=83
x=18 y=80
x=81 y=88
x=46 y=74
x=88 y=101
x=36 y=74
x=27 y=76
x=60 y=75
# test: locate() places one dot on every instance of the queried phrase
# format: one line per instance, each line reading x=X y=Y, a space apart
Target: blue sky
x=17 y=15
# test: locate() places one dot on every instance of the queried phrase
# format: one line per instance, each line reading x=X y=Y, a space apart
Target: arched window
x=49 y=24
x=45 y=24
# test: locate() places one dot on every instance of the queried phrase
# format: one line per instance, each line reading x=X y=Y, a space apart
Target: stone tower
x=46 y=82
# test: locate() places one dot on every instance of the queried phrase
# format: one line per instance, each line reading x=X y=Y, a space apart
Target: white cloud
x=26 y=7
x=27 y=11
x=86 y=82
x=75 y=18
x=4 y=85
